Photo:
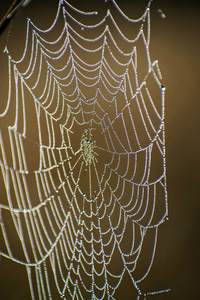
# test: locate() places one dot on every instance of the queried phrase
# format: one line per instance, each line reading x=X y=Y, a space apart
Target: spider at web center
x=88 y=146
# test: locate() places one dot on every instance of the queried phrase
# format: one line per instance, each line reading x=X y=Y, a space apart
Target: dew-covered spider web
x=82 y=155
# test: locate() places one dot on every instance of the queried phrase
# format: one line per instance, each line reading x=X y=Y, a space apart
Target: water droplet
x=162 y=88
x=82 y=28
x=6 y=50
x=161 y=14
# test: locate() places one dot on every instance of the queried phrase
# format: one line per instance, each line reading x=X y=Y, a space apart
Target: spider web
x=83 y=155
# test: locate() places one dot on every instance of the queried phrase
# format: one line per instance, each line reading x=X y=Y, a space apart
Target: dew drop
x=162 y=88
x=162 y=15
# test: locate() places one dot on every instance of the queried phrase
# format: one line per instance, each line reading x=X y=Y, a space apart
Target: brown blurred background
x=175 y=42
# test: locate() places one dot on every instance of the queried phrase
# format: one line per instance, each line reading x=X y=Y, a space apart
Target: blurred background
x=175 y=42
